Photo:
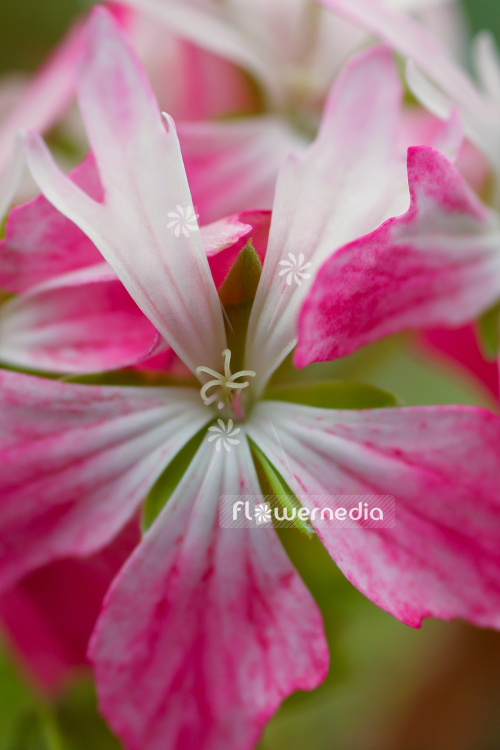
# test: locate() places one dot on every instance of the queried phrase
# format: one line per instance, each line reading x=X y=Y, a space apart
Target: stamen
x=226 y=382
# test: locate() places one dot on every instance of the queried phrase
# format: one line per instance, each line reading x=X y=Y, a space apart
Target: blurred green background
x=390 y=687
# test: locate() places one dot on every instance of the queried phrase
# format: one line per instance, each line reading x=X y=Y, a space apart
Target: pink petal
x=211 y=27
x=11 y=177
x=437 y=265
x=76 y=461
x=348 y=181
x=84 y=321
x=233 y=166
x=142 y=173
x=224 y=239
x=460 y=346
x=441 y=559
x=46 y=97
x=206 y=630
x=49 y=616
x=418 y=44
x=41 y=243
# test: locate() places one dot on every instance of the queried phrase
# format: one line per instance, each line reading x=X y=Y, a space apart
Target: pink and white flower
x=293 y=50
x=206 y=630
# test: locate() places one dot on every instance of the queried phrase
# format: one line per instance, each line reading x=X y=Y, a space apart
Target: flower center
x=228 y=390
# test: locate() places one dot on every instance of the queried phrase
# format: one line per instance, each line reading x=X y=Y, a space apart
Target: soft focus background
x=390 y=687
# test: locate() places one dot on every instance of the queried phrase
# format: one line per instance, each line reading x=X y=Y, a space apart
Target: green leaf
x=281 y=491
x=488 y=327
x=335 y=395
x=166 y=484
x=237 y=294
x=78 y=720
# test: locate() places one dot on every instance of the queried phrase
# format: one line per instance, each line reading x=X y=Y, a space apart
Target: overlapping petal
x=350 y=180
x=441 y=559
x=40 y=242
x=84 y=321
x=222 y=627
x=439 y=264
x=233 y=166
x=454 y=86
x=76 y=462
x=146 y=226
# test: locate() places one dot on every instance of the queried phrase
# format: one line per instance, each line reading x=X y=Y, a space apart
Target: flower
x=224 y=435
x=68 y=299
x=184 y=220
x=295 y=269
x=263 y=513
x=293 y=70
x=444 y=252
x=186 y=651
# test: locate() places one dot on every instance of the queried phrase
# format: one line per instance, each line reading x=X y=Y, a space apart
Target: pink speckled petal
x=221 y=629
x=41 y=243
x=76 y=461
x=439 y=264
x=349 y=181
x=441 y=558
x=49 y=616
x=146 y=226
x=84 y=321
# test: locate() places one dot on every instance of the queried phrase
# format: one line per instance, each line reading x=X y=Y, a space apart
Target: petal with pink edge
x=81 y=322
x=76 y=461
x=221 y=629
x=41 y=243
x=146 y=227
x=439 y=264
x=11 y=176
x=350 y=180
x=441 y=558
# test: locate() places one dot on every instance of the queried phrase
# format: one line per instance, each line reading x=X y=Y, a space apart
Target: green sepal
x=488 y=327
x=281 y=491
x=335 y=395
x=166 y=484
x=237 y=294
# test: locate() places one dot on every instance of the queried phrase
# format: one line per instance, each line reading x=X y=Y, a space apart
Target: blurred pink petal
x=49 y=616
x=233 y=166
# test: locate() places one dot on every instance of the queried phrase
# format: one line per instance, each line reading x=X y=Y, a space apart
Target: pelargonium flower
x=439 y=264
x=206 y=629
x=293 y=50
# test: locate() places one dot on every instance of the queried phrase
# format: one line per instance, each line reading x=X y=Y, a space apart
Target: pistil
x=228 y=390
